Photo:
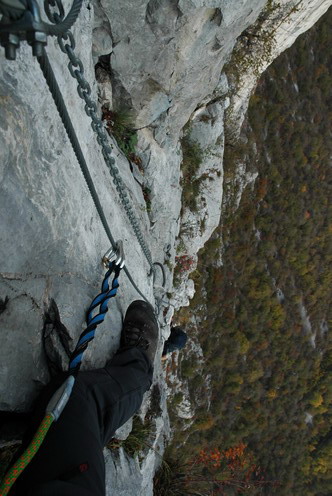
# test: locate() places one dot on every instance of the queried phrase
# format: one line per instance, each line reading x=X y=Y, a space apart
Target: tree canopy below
x=265 y=316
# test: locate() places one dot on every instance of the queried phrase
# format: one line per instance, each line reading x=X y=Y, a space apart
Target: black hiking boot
x=140 y=328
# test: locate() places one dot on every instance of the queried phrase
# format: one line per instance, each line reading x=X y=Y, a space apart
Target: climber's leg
x=70 y=460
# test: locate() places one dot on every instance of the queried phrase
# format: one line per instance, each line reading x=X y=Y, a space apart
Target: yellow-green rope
x=27 y=456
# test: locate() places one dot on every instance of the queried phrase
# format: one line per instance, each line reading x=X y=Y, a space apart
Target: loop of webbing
x=92 y=320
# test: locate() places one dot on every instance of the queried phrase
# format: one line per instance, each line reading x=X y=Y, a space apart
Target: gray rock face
x=207 y=129
x=167 y=59
x=52 y=240
x=168 y=56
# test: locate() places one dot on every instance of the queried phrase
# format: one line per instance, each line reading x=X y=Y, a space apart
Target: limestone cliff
x=183 y=68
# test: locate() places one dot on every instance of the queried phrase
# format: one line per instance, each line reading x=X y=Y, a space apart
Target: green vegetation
x=120 y=125
x=211 y=472
x=138 y=439
x=192 y=159
x=256 y=43
x=181 y=247
x=147 y=197
x=269 y=373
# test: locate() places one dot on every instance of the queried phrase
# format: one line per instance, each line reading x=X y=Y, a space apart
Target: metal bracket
x=116 y=254
x=12 y=8
x=28 y=27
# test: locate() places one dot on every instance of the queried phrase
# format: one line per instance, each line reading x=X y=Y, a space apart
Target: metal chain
x=76 y=69
x=63 y=113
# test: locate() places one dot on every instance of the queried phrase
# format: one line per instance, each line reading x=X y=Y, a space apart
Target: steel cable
x=61 y=28
x=67 y=45
x=15 y=9
x=62 y=110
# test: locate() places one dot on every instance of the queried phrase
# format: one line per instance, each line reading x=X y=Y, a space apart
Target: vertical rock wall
x=166 y=60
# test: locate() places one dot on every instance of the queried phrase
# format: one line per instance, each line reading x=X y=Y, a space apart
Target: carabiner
x=114 y=254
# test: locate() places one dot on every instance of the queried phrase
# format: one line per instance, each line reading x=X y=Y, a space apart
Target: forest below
x=263 y=395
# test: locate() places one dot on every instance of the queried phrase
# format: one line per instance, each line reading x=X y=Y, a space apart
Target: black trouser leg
x=102 y=400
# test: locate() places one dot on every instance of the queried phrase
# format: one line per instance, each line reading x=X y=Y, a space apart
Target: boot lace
x=133 y=337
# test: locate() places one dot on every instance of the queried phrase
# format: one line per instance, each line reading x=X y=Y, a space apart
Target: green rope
x=27 y=456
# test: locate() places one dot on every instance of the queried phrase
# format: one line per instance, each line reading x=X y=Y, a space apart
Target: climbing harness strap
x=114 y=267
x=100 y=301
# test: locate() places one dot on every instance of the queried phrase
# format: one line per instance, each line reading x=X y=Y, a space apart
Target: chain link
x=55 y=17
x=63 y=38
x=67 y=45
